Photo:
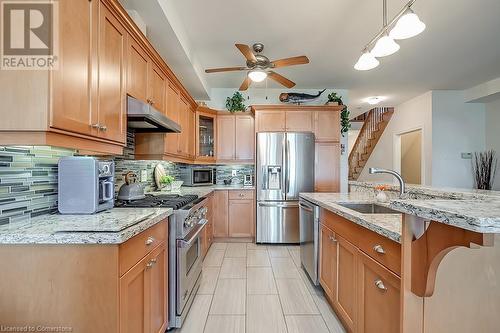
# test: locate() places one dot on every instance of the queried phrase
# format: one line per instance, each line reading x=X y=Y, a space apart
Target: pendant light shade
x=385 y=46
x=366 y=62
x=257 y=75
x=409 y=25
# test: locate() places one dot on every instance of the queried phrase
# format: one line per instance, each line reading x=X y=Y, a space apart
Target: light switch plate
x=466 y=156
x=234 y=173
x=144 y=176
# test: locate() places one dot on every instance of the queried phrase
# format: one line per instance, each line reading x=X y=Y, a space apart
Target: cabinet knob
x=241 y=195
x=150 y=240
x=379 y=249
x=380 y=285
x=333 y=239
x=97 y=126
x=149 y=264
x=152 y=102
x=103 y=128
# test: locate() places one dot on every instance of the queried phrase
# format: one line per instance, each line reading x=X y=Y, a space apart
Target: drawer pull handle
x=379 y=249
x=333 y=239
x=153 y=260
x=149 y=264
x=150 y=240
x=241 y=195
x=380 y=285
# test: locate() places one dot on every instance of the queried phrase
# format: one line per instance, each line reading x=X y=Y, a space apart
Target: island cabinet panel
x=270 y=121
x=378 y=297
x=327 y=167
x=328 y=261
x=299 y=121
x=220 y=217
x=345 y=299
x=112 y=70
x=73 y=83
x=327 y=126
x=241 y=218
x=137 y=73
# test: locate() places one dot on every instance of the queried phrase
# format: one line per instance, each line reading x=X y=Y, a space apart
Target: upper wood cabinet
x=226 y=138
x=327 y=126
x=270 y=121
x=205 y=134
x=235 y=138
x=157 y=88
x=327 y=167
x=244 y=138
x=174 y=113
x=137 y=73
x=299 y=121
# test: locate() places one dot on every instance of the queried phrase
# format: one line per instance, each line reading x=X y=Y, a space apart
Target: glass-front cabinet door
x=205 y=141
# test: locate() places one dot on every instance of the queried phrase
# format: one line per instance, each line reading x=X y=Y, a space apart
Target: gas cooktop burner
x=174 y=201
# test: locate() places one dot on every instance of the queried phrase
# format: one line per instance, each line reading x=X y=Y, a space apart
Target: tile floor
x=257 y=289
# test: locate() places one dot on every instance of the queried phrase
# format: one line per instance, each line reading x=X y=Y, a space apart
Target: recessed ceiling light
x=374 y=100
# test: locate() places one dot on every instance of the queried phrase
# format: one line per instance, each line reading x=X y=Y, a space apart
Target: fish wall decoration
x=299 y=98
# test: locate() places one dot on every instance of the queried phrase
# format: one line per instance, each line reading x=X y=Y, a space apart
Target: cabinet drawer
x=241 y=195
x=382 y=249
x=140 y=245
x=347 y=229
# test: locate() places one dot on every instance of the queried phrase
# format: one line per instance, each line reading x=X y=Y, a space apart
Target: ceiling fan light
x=257 y=75
x=409 y=25
x=385 y=46
x=366 y=62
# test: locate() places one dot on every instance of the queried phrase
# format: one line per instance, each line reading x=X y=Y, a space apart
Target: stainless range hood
x=144 y=118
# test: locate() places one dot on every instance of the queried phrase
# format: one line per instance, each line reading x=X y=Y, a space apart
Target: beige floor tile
x=213 y=258
x=277 y=251
x=253 y=246
x=295 y=254
x=284 y=268
x=219 y=246
x=306 y=324
x=316 y=290
x=331 y=319
x=229 y=297
x=264 y=314
x=293 y=247
x=225 y=324
x=260 y=281
x=295 y=298
x=208 y=282
x=258 y=258
x=236 y=250
x=197 y=316
x=233 y=268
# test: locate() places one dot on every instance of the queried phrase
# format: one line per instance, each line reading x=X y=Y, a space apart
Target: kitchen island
x=449 y=260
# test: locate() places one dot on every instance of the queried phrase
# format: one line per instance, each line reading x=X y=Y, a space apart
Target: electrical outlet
x=466 y=156
x=144 y=176
x=234 y=173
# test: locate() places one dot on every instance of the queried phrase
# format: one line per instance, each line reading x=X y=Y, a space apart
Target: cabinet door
x=184 y=111
x=73 y=83
x=205 y=129
x=378 y=297
x=345 y=299
x=173 y=103
x=328 y=261
x=327 y=126
x=226 y=137
x=157 y=89
x=137 y=73
x=111 y=97
x=220 y=218
x=245 y=138
x=270 y=121
x=192 y=133
x=299 y=121
x=241 y=218
x=327 y=167
x=135 y=299
x=158 y=289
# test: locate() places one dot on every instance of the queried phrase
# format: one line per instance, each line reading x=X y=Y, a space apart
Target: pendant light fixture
x=405 y=24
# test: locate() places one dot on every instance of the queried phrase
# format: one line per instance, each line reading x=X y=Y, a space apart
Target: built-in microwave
x=198 y=176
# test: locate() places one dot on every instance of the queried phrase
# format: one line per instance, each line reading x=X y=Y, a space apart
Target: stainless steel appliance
x=197 y=176
x=285 y=167
x=143 y=117
x=184 y=248
x=86 y=185
x=131 y=189
x=309 y=239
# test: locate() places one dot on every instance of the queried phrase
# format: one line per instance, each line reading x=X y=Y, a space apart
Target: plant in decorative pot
x=235 y=103
x=345 y=122
x=334 y=99
x=166 y=181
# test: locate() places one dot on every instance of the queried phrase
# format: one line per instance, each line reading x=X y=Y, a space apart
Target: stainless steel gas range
x=184 y=248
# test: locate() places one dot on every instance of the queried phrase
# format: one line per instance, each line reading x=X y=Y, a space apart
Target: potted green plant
x=166 y=181
x=235 y=103
x=345 y=122
x=334 y=99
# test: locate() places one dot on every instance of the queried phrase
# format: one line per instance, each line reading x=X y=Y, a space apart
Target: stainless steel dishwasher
x=309 y=238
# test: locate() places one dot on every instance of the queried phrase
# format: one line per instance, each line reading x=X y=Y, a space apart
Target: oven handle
x=187 y=243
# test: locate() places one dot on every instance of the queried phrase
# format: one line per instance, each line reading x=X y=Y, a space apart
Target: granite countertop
x=387 y=225
x=113 y=226
x=203 y=191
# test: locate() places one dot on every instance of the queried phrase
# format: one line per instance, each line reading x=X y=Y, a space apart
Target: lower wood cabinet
x=234 y=213
x=241 y=217
x=345 y=297
x=220 y=216
x=328 y=261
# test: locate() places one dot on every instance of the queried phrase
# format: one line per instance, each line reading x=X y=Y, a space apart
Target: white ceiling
x=459 y=49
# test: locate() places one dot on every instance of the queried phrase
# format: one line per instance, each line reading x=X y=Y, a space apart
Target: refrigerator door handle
x=281 y=205
x=287 y=166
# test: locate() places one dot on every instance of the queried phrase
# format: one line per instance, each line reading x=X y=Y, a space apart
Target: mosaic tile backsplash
x=28 y=181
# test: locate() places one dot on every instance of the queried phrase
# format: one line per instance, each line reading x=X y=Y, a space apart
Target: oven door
x=202 y=176
x=188 y=266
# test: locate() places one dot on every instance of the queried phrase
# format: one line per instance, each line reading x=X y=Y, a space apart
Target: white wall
x=458 y=127
x=411 y=115
x=493 y=133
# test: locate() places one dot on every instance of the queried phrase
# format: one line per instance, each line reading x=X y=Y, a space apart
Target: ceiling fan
x=259 y=66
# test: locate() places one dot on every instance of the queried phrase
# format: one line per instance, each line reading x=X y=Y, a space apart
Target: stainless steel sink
x=367 y=208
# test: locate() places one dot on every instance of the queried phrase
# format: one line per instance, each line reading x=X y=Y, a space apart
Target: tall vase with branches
x=484 y=167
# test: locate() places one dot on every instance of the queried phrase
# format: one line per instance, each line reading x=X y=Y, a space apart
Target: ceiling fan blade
x=247 y=52
x=246 y=83
x=281 y=79
x=224 y=69
x=300 y=60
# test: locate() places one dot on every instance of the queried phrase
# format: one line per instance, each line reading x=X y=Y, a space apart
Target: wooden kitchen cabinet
x=220 y=216
x=205 y=135
x=328 y=261
x=299 y=121
x=138 y=70
x=226 y=137
x=270 y=121
x=327 y=126
x=235 y=138
x=244 y=138
x=158 y=289
x=241 y=218
x=378 y=297
x=234 y=213
x=327 y=167
x=157 y=88
x=174 y=113
x=345 y=299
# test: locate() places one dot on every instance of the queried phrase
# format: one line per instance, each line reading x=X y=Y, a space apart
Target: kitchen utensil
x=131 y=190
x=159 y=172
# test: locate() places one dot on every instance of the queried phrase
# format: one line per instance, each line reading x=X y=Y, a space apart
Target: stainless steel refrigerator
x=285 y=167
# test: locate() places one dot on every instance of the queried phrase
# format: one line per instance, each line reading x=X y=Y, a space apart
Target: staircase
x=374 y=125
